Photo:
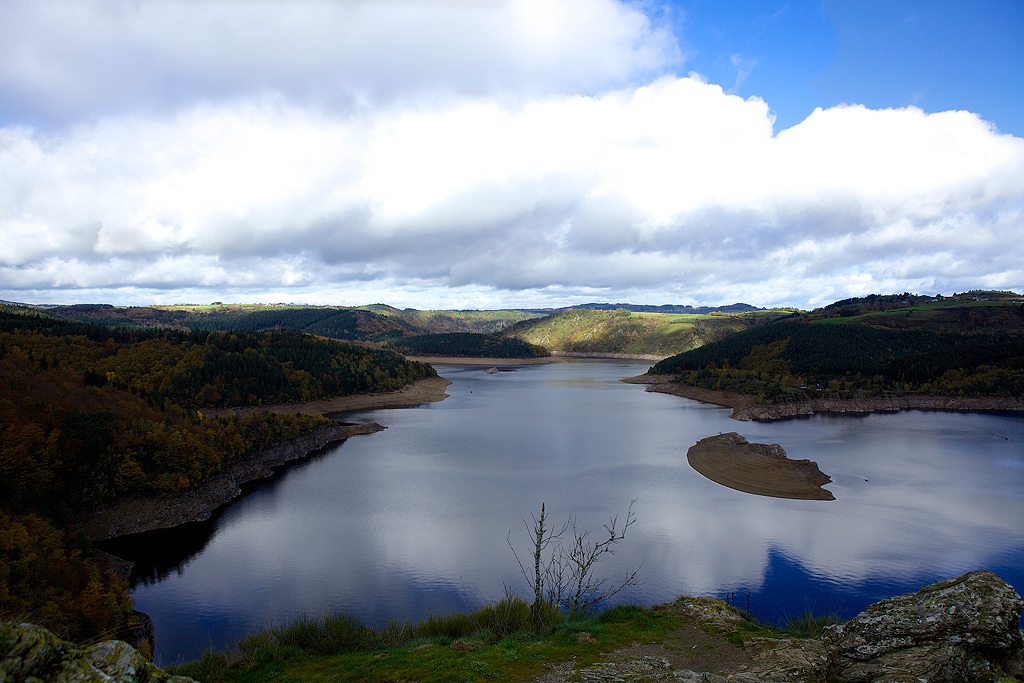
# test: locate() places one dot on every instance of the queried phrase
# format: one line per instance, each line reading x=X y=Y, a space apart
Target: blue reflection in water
x=413 y=520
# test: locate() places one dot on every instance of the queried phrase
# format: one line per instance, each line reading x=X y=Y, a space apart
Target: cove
x=413 y=520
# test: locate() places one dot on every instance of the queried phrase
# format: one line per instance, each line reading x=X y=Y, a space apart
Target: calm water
x=413 y=520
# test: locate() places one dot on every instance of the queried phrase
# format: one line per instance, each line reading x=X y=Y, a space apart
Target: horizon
x=499 y=308
x=509 y=154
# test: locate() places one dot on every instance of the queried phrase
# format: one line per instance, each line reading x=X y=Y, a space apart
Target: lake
x=414 y=520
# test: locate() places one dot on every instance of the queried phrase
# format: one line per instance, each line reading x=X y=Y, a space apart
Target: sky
x=509 y=153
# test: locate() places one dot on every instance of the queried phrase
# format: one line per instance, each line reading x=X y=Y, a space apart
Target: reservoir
x=417 y=519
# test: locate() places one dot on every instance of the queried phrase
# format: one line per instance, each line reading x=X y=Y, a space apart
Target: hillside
x=91 y=415
x=464 y=345
x=668 y=308
x=649 y=331
x=363 y=323
x=965 y=345
x=435 y=321
x=636 y=333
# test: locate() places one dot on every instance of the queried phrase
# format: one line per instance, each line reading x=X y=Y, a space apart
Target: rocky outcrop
x=965 y=630
x=958 y=631
x=32 y=654
x=197 y=504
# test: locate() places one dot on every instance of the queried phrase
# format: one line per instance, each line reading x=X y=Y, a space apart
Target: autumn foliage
x=90 y=414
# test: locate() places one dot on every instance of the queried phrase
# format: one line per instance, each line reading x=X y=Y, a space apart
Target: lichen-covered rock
x=32 y=654
x=958 y=631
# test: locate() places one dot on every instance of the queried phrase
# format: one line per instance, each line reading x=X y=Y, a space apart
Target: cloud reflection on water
x=413 y=520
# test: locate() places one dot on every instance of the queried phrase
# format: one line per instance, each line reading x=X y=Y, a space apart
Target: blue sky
x=936 y=55
x=499 y=153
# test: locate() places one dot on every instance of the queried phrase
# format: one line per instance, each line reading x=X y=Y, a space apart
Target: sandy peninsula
x=427 y=390
x=761 y=469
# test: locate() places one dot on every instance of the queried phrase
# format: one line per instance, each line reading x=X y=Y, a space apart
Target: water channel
x=414 y=520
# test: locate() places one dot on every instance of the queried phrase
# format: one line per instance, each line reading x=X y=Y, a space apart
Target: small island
x=757 y=468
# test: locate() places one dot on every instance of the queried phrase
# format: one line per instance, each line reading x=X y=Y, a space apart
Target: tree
x=542 y=537
x=564 y=571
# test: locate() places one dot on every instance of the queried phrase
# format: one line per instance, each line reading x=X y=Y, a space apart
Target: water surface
x=414 y=520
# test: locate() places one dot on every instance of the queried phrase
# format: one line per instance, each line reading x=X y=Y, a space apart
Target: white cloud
x=470 y=169
x=65 y=59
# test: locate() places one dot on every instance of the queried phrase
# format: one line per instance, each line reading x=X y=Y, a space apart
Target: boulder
x=962 y=630
x=32 y=654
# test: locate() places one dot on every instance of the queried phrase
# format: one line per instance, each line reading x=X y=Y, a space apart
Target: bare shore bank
x=138 y=514
x=555 y=357
x=427 y=390
x=474 y=360
x=746 y=408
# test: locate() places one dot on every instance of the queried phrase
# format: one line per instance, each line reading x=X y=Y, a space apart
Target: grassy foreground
x=497 y=642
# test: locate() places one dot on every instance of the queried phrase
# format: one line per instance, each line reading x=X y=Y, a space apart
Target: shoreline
x=140 y=514
x=426 y=390
x=745 y=408
x=555 y=357
x=480 y=360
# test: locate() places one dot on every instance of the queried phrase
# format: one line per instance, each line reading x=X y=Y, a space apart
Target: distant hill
x=362 y=323
x=588 y=330
x=437 y=321
x=671 y=308
x=655 y=331
x=464 y=345
x=969 y=344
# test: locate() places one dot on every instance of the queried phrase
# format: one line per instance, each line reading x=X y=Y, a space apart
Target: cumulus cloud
x=462 y=169
x=674 y=187
x=61 y=60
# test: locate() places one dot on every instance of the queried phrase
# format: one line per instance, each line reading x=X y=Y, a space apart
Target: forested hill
x=465 y=345
x=201 y=368
x=89 y=415
x=337 y=322
x=966 y=345
x=668 y=308
x=587 y=330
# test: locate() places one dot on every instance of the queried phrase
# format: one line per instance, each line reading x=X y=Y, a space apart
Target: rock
x=32 y=654
x=962 y=630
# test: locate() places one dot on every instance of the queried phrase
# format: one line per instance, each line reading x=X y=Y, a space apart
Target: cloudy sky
x=509 y=153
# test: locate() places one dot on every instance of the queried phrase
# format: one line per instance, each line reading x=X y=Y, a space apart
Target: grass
x=807 y=624
x=499 y=641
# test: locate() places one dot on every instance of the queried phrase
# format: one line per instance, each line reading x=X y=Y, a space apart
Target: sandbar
x=757 y=468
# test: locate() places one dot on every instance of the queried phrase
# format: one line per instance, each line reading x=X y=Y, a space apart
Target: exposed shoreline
x=745 y=407
x=757 y=468
x=426 y=390
x=479 y=360
x=555 y=357
x=139 y=514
